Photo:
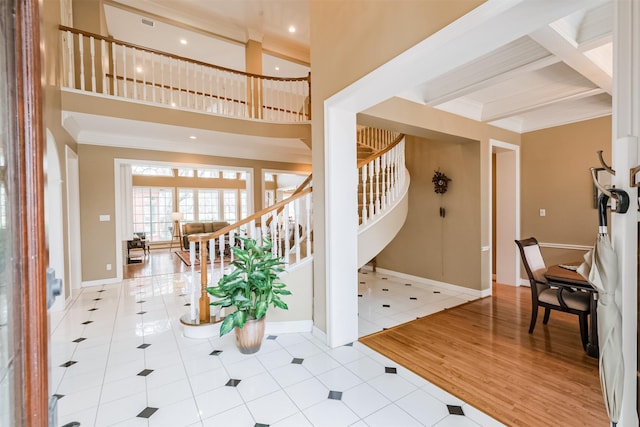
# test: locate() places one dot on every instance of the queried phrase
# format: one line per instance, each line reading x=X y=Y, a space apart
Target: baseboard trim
x=421 y=280
x=319 y=334
x=90 y=283
x=288 y=327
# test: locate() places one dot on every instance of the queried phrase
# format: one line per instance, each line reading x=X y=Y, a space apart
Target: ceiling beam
x=572 y=56
x=518 y=105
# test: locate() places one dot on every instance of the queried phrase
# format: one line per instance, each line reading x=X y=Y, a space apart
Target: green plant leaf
x=227 y=324
x=240 y=318
x=261 y=309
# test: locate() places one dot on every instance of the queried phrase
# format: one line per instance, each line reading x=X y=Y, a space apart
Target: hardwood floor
x=159 y=261
x=482 y=353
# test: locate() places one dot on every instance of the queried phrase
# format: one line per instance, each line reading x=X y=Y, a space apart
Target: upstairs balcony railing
x=110 y=67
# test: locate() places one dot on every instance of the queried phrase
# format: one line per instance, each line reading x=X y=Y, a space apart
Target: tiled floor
x=118 y=357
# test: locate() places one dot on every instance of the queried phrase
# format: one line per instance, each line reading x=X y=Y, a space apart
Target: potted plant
x=251 y=287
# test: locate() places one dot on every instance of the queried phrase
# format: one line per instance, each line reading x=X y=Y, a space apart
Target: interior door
x=23 y=316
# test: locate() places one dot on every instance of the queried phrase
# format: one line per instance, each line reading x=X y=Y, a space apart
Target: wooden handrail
x=181 y=58
x=381 y=152
x=209 y=236
x=295 y=192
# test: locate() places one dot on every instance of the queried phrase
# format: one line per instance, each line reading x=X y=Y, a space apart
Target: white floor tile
x=364 y=400
x=217 y=401
x=121 y=410
x=330 y=413
x=297 y=420
x=392 y=386
x=272 y=408
x=180 y=413
x=307 y=393
x=290 y=374
x=366 y=368
x=424 y=407
x=257 y=386
x=391 y=416
x=457 y=421
x=320 y=363
x=159 y=397
x=236 y=417
x=339 y=379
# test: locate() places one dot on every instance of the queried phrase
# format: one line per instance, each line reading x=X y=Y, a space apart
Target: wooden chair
x=551 y=298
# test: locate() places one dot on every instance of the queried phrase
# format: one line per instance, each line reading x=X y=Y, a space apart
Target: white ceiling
x=557 y=74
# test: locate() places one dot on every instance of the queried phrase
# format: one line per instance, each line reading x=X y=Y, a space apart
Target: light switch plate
x=543 y=212
x=105 y=217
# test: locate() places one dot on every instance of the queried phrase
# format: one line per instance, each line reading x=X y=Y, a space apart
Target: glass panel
x=230 y=205
x=208 y=205
x=243 y=204
x=230 y=175
x=208 y=173
x=151 y=170
x=189 y=172
x=186 y=204
x=152 y=207
x=268 y=177
x=242 y=176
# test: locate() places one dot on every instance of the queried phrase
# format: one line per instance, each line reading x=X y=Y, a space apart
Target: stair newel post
x=193 y=306
x=205 y=311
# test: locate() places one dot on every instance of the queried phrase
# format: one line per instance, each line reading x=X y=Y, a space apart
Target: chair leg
x=547 y=312
x=584 y=330
x=534 y=316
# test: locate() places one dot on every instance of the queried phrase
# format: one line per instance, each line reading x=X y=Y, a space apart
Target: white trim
x=565 y=246
x=289 y=327
x=100 y=282
x=475 y=293
x=319 y=334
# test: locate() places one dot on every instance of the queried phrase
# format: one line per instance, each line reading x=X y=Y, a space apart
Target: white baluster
x=81 y=52
x=363 y=171
x=372 y=200
x=114 y=68
x=104 y=66
x=70 y=60
x=383 y=173
x=307 y=199
x=92 y=52
x=195 y=290
x=232 y=244
x=134 y=56
x=221 y=240
x=378 y=195
x=296 y=229
x=124 y=72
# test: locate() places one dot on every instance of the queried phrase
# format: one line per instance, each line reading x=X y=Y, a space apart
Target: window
x=188 y=172
x=186 y=204
x=269 y=198
x=243 y=204
x=152 y=207
x=230 y=174
x=151 y=170
x=268 y=177
x=208 y=205
x=208 y=173
x=230 y=205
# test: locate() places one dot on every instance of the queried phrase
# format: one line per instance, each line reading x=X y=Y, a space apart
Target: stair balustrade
x=102 y=65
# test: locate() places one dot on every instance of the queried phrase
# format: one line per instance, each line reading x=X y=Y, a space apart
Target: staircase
x=382 y=208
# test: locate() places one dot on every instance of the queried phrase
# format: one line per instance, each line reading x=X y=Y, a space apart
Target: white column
x=625 y=125
x=341 y=227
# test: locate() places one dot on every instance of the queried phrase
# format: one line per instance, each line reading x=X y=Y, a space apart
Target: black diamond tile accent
x=436 y=292
x=272 y=337
x=87 y=322
x=363 y=283
x=386 y=305
x=215 y=353
x=69 y=363
x=143 y=346
x=297 y=361
x=359 y=295
x=385 y=290
x=260 y=425
x=145 y=372
x=455 y=410
x=390 y=370
x=187 y=304
x=407 y=284
x=101 y=290
x=141 y=312
x=58 y=396
x=413 y=298
x=97 y=299
x=233 y=382
x=147 y=412
x=93 y=309
x=335 y=395
x=140 y=302
x=349 y=344
x=384 y=329
x=79 y=339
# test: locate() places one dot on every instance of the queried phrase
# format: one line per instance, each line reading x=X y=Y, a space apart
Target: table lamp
x=177 y=232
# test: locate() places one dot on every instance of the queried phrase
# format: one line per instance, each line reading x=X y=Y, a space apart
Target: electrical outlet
x=108 y=267
x=543 y=212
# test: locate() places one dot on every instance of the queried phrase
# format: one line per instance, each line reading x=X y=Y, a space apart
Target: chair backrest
x=533 y=261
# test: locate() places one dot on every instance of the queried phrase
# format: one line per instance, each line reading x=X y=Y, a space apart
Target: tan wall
x=50 y=35
x=556 y=177
x=97 y=197
x=429 y=246
x=349 y=39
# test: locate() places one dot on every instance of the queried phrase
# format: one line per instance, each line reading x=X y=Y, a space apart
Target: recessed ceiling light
x=292 y=29
x=193 y=137
x=173 y=104
x=139 y=69
x=183 y=41
x=277 y=68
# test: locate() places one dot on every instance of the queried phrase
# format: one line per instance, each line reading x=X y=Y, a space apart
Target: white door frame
x=74 y=257
x=507 y=210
